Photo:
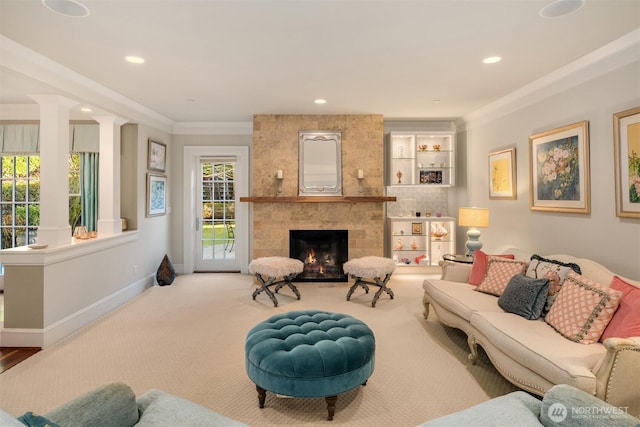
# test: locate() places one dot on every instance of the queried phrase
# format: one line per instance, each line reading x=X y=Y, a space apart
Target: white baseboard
x=46 y=337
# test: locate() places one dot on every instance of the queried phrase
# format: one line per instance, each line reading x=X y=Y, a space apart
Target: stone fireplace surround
x=275 y=146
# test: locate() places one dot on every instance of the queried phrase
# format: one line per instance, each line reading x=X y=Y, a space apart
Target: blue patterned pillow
x=524 y=296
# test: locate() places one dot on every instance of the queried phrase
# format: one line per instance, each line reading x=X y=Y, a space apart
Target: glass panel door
x=216 y=225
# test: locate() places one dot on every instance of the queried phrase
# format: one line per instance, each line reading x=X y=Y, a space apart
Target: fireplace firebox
x=323 y=253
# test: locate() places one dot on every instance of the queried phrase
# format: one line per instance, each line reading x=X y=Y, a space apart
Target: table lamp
x=473 y=218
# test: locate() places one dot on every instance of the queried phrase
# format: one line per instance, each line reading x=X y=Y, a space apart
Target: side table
x=463 y=259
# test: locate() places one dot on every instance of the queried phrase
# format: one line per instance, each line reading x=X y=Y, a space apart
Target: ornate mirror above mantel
x=320 y=163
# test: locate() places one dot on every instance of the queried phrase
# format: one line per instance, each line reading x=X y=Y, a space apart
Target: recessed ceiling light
x=560 y=8
x=320 y=101
x=85 y=109
x=491 y=60
x=436 y=101
x=70 y=8
x=134 y=59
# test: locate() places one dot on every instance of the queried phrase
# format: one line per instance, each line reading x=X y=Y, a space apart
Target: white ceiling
x=223 y=61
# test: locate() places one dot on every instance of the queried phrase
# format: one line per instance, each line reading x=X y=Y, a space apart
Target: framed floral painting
x=626 y=140
x=559 y=169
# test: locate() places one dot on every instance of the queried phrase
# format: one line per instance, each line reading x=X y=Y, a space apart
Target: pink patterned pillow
x=582 y=309
x=479 y=268
x=626 y=320
x=499 y=273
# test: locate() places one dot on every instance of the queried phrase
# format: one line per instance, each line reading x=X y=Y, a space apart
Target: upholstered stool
x=309 y=353
x=372 y=267
x=271 y=268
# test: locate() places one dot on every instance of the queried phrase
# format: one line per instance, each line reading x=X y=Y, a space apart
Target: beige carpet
x=188 y=339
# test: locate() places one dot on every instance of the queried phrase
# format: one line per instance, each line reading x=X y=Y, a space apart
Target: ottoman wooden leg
x=262 y=395
x=264 y=287
x=331 y=406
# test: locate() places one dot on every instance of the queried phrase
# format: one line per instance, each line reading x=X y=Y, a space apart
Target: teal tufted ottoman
x=309 y=353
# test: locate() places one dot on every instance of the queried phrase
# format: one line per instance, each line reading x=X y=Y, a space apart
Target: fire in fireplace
x=323 y=253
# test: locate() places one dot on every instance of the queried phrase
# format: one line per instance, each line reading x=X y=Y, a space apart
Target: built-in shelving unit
x=425 y=159
x=420 y=241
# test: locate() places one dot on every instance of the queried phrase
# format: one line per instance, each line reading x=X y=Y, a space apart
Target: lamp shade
x=473 y=217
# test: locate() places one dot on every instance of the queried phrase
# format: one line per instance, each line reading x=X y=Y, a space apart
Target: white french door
x=216 y=224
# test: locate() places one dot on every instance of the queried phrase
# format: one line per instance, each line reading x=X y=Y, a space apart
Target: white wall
x=600 y=235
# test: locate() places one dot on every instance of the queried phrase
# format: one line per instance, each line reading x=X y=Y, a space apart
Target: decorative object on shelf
x=80 y=232
x=423 y=147
x=502 y=174
x=627 y=164
x=414 y=245
x=438 y=214
x=436 y=147
x=438 y=231
x=279 y=178
x=399 y=175
x=473 y=218
x=416 y=228
x=402 y=232
x=401 y=151
x=406 y=261
x=399 y=245
x=559 y=169
x=93 y=234
x=427 y=214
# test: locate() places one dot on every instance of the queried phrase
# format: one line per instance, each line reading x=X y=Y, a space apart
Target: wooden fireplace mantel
x=320 y=199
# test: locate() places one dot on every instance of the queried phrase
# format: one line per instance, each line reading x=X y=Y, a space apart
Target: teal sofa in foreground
x=115 y=405
x=562 y=406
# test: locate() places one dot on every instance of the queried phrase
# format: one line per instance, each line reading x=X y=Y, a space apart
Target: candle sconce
x=360 y=179
x=279 y=178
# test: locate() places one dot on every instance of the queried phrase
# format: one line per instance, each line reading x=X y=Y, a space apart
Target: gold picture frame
x=559 y=169
x=416 y=228
x=626 y=146
x=502 y=174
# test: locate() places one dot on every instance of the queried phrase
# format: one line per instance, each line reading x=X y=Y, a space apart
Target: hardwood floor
x=11 y=356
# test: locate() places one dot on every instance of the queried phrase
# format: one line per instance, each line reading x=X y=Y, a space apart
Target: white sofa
x=530 y=353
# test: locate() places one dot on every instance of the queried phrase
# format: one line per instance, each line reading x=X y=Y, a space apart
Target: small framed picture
x=559 y=170
x=430 y=177
x=156 y=195
x=157 y=157
x=626 y=140
x=416 y=228
x=502 y=174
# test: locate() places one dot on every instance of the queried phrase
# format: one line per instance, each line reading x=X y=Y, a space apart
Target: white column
x=54 y=229
x=109 y=222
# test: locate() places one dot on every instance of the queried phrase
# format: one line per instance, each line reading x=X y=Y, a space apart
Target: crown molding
x=66 y=82
x=213 y=128
x=612 y=56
